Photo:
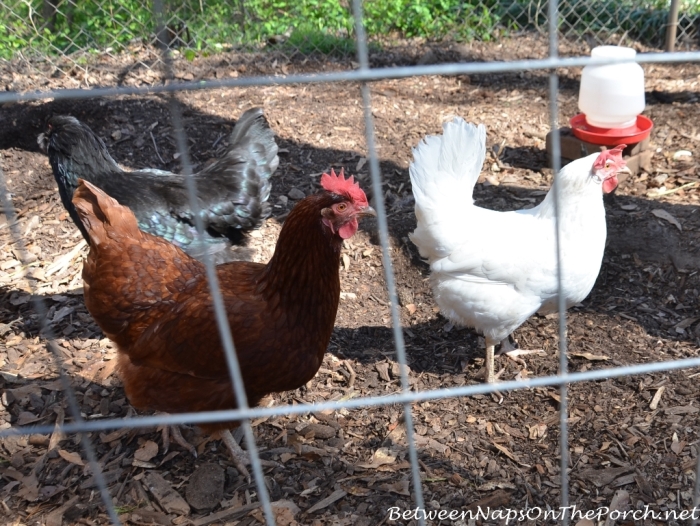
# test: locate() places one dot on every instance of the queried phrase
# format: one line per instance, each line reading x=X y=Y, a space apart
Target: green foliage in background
x=324 y=26
x=432 y=18
x=39 y=26
x=306 y=26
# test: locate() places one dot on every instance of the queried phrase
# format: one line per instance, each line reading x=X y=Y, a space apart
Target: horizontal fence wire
x=366 y=75
x=405 y=398
x=364 y=402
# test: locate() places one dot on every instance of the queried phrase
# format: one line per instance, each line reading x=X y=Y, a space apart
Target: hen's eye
x=608 y=164
x=341 y=207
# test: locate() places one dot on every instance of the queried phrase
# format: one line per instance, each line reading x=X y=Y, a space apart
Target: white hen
x=492 y=270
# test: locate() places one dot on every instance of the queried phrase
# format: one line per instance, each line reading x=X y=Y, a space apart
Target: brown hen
x=153 y=301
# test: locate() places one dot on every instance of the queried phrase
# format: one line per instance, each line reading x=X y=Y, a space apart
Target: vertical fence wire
x=215 y=290
x=561 y=303
x=46 y=331
x=363 y=59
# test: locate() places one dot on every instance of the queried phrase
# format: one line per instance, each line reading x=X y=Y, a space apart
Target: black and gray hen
x=233 y=190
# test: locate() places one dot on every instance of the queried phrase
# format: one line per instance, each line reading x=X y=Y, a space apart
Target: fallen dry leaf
x=285 y=511
x=666 y=216
x=687 y=322
x=72 y=457
x=57 y=436
x=590 y=356
x=400 y=487
x=55 y=518
x=537 y=431
x=620 y=502
x=381 y=457
x=169 y=499
x=603 y=477
x=285 y=457
x=357 y=491
x=505 y=451
x=147 y=451
x=677 y=446
x=330 y=499
x=497 y=499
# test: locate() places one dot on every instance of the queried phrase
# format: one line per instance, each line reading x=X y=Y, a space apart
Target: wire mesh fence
x=55 y=41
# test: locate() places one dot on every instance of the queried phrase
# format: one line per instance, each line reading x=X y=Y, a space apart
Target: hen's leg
x=240 y=458
x=491 y=377
x=177 y=438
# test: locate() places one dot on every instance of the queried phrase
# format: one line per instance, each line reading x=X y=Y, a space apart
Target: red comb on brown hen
x=339 y=185
x=153 y=301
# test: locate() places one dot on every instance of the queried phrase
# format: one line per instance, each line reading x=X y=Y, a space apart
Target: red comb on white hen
x=608 y=164
x=493 y=270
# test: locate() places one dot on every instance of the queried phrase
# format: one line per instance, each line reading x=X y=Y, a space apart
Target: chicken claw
x=240 y=457
x=178 y=438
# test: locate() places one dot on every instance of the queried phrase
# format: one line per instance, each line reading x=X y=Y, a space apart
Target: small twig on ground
x=351 y=378
x=657 y=398
x=427 y=470
x=155 y=146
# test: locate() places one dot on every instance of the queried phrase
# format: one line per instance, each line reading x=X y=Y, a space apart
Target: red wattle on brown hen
x=153 y=301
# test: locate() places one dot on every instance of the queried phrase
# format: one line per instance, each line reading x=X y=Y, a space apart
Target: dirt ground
x=633 y=441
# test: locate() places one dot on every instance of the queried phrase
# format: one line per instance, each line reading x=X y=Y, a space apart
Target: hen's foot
x=510 y=350
x=240 y=457
x=513 y=352
x=167 y=431
x=508 y=345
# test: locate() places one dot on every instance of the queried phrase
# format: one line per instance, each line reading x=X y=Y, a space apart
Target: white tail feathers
x=445 y=168
x=443 y=174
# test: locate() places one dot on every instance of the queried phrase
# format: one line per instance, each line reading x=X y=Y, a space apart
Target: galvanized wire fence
x=363 y=73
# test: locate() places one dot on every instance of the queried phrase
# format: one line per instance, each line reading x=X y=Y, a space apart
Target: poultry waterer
x=611 y=100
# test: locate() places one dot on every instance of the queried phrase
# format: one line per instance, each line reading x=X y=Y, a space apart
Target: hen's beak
x=368 y=211
x=624 y=170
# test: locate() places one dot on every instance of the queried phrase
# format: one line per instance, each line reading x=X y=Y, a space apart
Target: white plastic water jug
x=612 y=96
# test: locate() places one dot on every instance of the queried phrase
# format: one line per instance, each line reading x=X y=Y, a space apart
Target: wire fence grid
x=45 y=21
x=66 y=41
